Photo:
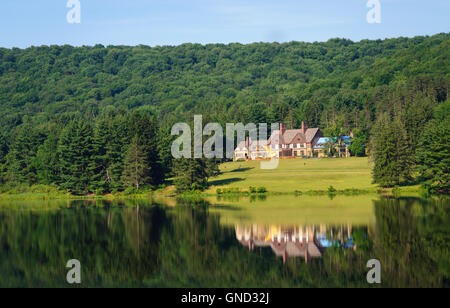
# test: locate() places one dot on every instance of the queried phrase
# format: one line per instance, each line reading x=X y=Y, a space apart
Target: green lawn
x=297 y=174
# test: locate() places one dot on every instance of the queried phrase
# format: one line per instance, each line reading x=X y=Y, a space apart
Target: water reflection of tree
x=412 y=242
x=109 y=242
x=137 y=244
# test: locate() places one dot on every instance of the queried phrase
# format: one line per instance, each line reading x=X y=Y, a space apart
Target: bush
x=332 y=190
x=234 y=190
x=262 y=190
x=130 y=191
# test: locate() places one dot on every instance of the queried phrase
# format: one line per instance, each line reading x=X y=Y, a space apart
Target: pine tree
x=74 y=152
x=390 y=153
x=433 y=155
x=190 y=174
x=3 y=153
x=145 y=127
x=212 y=167
x=21 y=154
x=46 y=161
x=404 y=153
x=100 y=162
x=117 y=147
x=136 y=169
x=165 y=140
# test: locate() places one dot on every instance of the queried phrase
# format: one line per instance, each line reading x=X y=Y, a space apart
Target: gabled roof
x=290 y=134
x=311 y=133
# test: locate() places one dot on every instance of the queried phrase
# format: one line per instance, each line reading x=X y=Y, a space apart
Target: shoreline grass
x=326 y=176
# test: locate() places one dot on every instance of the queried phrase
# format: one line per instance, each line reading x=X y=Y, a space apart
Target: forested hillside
x=48 y=94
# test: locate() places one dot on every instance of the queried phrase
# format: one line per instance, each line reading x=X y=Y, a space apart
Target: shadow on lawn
x=241 y=169
x=225 y=181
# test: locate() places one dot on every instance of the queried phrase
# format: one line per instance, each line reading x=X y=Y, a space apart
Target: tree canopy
x=69 y=113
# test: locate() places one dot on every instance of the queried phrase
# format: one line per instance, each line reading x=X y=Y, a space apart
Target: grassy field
x=298 y=174
x=292 y=175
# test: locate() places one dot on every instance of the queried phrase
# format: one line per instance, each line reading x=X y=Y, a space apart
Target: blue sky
x=171 y=22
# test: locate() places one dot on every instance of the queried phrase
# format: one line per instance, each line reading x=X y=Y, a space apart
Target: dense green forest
x=95 y=119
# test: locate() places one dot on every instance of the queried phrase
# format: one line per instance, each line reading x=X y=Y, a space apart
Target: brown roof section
x=311 y=133
x=289 y=135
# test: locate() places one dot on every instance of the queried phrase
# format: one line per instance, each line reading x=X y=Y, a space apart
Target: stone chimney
x=282 y=129
x=304 y=127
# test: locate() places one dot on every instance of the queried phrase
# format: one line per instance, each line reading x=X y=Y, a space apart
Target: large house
x=283 y=143
x=291 y=143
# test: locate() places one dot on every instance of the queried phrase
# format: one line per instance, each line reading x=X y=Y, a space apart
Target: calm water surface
x=284 y=241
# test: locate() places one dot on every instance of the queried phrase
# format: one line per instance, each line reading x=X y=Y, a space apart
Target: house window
x=298 y=145
x=276 y=146
x=291 y=146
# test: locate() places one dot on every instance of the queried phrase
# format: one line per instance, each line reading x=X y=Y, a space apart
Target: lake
x=258 y=241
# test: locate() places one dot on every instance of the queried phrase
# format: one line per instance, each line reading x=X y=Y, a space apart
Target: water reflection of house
x=292 y=242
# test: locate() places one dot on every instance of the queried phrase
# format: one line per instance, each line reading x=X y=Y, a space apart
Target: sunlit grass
x=298 y=175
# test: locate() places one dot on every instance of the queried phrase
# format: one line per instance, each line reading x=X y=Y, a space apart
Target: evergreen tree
x=100 y=161
x=136 y=169
x=190 y=174
x=46 y=161
x=3 y=152
x=390 y=153
x=144 y=126
x=21 y=154
x=3 y=149
x=433 y=155
x=212 y=167
x=75 y=153
x=117 y=147
x=165 y=140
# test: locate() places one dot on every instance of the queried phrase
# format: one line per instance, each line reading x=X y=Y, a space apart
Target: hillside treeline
x=50 y=94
